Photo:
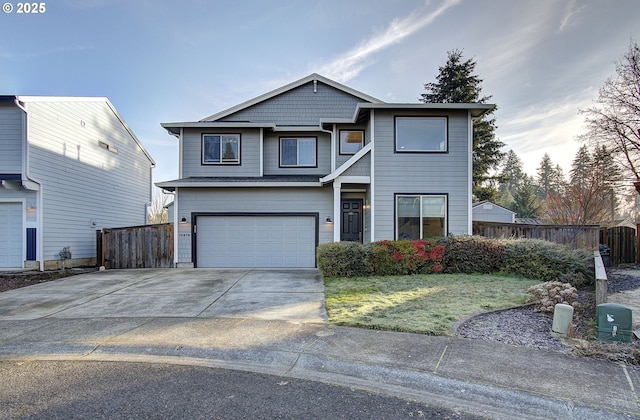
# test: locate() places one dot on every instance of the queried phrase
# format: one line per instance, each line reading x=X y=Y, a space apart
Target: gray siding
x=272 y=154
x=300 y=106
x=492 y=214
x=10 y=140
x=252 y=200
x=83 y=183
x=249 y=154
x=421 y=173
x=361 y=168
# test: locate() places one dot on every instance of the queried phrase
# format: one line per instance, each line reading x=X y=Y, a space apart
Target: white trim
x=243 y=184
x=475 y=110
x=372 y=189
x=350 y=162
x=221 y=162
x=176 y=226
x=261 y=151
x=337 y=199
x=180 y=146
x=470 y=174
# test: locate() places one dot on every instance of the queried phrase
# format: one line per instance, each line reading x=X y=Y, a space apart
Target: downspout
x=27 y=178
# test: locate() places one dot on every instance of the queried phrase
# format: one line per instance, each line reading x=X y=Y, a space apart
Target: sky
x=541 y=61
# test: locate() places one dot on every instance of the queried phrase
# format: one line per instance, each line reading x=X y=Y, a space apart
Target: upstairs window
x=351 y=141
x=421 y=134
x=221 y=149
x=421 y=216
x=298 y=152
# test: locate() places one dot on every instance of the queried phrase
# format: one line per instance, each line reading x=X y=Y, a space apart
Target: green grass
x=426 y=304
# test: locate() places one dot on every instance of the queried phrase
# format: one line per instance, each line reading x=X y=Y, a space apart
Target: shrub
x=405 y=257
x=472 y=254
x=343 y=259
x=547 y=261
x=551 y=293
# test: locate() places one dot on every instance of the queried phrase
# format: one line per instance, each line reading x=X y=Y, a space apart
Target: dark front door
x=351 y=220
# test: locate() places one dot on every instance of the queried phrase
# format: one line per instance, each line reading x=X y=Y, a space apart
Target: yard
x=427 y=304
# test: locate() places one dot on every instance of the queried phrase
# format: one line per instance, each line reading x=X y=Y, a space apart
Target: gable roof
x=314 y=77
x=481 y=203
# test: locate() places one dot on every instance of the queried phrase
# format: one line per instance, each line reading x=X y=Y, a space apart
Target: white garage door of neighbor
x=11 y=235
x=256 y=241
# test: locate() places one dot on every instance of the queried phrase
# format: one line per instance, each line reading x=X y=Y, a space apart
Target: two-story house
x=264 y=182
x=68 y=167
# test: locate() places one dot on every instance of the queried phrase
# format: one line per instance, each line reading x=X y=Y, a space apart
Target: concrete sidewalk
x=488 y=379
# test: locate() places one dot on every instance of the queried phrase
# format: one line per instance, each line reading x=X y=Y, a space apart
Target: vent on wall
x=108 y=146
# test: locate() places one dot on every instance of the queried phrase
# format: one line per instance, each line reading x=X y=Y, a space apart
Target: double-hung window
x=421 y=216
x=421 y=134
x=221 y=149
x=298 y=151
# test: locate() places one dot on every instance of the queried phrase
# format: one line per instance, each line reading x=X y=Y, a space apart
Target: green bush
x=343 y=259
x=547 y=261
x=472 y=254
x=401 y=257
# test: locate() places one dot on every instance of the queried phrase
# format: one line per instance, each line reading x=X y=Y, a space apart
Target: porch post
x=336 y=210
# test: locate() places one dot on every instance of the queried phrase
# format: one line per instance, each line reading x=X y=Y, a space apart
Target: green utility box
x=614 y=322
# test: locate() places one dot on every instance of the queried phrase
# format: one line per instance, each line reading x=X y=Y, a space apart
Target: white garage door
x=256 y=241
x=11 y=235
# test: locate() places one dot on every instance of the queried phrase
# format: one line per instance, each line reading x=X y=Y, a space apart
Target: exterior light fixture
x=328 y=220
x=183 y=220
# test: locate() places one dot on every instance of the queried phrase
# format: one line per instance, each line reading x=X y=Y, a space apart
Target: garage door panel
x=11 y=237
x=256 y=241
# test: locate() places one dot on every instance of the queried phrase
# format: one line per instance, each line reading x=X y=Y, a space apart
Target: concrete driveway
x=295 y=295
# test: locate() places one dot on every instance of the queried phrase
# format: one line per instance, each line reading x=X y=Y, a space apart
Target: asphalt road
x=71 y=390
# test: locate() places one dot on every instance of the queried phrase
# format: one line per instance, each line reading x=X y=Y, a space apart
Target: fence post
x=601 y=279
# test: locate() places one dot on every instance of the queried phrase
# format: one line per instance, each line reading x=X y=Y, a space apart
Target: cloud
x=350 y=64
x=569 y=18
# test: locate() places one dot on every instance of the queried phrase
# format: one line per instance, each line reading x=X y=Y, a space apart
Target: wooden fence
x=148 y=246
x=577 y=237
x=622 y=243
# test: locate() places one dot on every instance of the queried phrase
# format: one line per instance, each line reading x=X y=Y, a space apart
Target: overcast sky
x=163 y=61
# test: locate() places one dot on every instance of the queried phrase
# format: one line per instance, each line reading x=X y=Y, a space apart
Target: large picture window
x=299 y=151
x=421 y=134
x=351 y=141
x=421 y=216
x=221 y=149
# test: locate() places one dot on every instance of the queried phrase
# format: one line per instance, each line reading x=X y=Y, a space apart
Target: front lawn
x=426 y=304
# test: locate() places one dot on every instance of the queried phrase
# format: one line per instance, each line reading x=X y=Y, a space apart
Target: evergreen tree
x=512 y=173
x=525 y=201
x=550 y=178
x=456 y=83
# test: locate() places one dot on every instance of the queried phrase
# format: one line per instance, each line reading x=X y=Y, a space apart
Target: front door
x=351 y=220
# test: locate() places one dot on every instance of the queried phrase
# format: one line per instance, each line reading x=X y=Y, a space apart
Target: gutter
x=32 y=184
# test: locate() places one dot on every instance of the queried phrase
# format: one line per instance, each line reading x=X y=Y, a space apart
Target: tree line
x=596 y=190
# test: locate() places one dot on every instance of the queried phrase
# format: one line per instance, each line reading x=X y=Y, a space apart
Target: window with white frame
x=298 y=151
x=221 y=149
x=421 y=134
x=351 y=141
x=421 y=216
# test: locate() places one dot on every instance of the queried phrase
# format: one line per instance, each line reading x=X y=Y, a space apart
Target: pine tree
x=512 y=173
x=456 y=83
x=525 y=201
x=550 y=178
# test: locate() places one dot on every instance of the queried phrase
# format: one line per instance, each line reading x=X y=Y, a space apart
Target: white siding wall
x=421 y=173
x=249 y=154
x=83 y=182
x=10 y=140
x=252 y=200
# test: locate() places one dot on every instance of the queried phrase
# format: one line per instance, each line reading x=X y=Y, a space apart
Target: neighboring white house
x=264 y=182
x=68 y=166
x=486 y=211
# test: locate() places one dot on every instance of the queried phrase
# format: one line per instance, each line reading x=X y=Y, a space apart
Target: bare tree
x=157 y=213
x=614 y=120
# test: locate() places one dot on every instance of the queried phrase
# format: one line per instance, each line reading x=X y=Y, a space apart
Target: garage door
x=10 y=235
x=256 y=241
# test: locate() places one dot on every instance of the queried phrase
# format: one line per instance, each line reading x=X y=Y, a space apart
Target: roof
x=240 y=182
x=477 y=110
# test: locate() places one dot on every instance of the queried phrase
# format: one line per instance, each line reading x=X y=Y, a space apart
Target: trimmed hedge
x=529 y=258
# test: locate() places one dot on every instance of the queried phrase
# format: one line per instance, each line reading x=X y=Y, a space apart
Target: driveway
x=295 y=295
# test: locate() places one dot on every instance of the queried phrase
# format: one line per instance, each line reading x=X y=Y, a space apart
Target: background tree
x=156 y=212
x=512 y=177
x=525 y=201
x=614 y=120
x=550 y=178
x=457 y=83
